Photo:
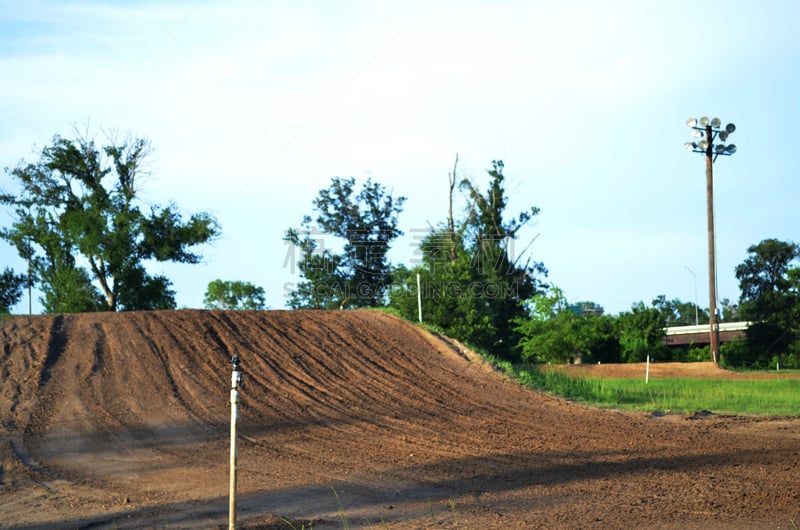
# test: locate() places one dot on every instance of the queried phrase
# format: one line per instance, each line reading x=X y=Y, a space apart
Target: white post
x=419 y=298
x=236 y=379
x=647 y=370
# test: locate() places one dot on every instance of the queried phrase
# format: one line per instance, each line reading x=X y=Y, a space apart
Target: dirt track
x=121 y=421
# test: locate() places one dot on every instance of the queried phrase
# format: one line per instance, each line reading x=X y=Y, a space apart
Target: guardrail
x=703 y=328
x=700 y=334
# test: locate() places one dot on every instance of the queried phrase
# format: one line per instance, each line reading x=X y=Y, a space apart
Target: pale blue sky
x=252 y=107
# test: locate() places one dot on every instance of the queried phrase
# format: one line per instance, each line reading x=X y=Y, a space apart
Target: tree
x=641 y=333
x=84 y=233
x=360 y=275
x=769 y=280
x=473 y=286
x=556 y=332
x=678 y=313
x=234 y=295
x=10 y=289
x=730 y=312
x=585 y=309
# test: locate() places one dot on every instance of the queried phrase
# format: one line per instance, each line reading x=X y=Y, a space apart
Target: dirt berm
x=347 y=418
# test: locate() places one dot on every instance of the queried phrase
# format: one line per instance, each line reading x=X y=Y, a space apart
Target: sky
x=253 y=106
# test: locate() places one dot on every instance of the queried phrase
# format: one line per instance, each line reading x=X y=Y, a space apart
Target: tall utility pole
x=707 y=131
x=712 y=256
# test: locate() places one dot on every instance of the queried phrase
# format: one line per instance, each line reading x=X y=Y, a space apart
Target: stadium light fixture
x=710 y=132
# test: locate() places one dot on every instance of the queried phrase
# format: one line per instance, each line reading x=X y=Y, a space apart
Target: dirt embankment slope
x=121 y=421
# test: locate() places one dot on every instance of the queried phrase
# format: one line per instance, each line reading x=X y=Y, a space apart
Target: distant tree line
x=472 y=284
x=87 y=239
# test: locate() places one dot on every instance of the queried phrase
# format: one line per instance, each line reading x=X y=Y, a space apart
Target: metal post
x=236 y=380
x=419 y=298
x=712 y=267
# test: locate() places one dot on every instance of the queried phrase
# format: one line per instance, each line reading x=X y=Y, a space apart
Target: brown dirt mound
x=121 y=421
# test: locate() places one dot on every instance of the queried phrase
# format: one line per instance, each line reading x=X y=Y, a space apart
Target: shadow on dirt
x=359 y=498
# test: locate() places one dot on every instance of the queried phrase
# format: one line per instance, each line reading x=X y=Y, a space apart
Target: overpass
x=700 y=334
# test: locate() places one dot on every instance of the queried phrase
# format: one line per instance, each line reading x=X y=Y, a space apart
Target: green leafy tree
x=730 y=311
x=365 y=223
x=557 y=333
x=234 y=295
x=10 y=289
x=769 y=280
x=641 y=333
x=678 y=313
x=585 y=309
x=85 y=235
x=452 y=294
x=472 y=284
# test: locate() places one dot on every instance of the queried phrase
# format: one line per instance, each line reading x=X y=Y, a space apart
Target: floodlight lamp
x=719 y=148
x=723 y=135
x=716 y=123
x=690 y=146
x=703 y=145
x=704 y=121
x=731 y=149
x=691 y=122
x=697 y=133
x=730 y=128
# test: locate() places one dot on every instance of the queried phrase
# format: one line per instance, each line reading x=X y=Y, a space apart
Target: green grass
x=762 y=397
x=778 y=397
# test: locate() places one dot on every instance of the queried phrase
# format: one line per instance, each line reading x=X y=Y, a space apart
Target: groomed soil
x=704 y=370
x=122 y=420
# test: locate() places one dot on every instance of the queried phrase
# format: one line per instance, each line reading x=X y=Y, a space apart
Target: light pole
x=705 y=132
x=696 y=314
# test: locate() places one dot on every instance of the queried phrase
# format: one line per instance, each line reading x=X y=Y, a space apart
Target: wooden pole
x=712 y=265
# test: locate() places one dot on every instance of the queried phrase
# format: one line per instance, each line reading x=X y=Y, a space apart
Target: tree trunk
x=111 y=297
x=451 y=228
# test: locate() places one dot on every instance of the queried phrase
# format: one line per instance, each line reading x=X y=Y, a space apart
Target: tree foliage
x=678 y=313
x=10 y=289
x=641 y=333
x=769 y=280
x=84 y=233
x=234 y=295
x=557 y=333
x=365 y=223
x=472 y=284
x=730 y=311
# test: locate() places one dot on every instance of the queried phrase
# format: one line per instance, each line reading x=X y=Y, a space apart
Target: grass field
x=762 y=397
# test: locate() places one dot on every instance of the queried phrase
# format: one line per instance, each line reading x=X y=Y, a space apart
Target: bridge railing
x=703 y=328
